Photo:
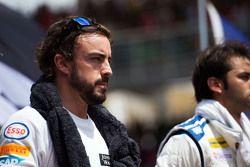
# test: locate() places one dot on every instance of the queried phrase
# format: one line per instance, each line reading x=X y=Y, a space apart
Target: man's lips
x=102 y=84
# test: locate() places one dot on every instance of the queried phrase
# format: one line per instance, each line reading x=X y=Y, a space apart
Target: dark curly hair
x=60 y=38
x=213 y=62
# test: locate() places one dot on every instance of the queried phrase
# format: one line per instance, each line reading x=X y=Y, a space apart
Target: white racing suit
x=27 y=142
x=201 y=142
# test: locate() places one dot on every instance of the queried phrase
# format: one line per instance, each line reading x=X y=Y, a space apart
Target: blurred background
x=154 y=50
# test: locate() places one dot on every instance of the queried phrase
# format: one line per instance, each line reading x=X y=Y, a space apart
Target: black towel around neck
x=69 y=149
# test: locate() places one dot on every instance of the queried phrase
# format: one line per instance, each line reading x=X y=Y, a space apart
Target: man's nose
x=106 y=69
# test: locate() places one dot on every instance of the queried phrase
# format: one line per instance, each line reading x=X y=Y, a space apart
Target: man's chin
x=101 y=99
x=97 y=99
x=100 y=93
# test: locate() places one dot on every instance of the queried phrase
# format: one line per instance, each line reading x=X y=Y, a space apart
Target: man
x=219 y=133
x=66 y=125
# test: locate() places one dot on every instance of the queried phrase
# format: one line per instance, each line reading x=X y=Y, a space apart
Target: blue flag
x=222 y=29
x=232 y=33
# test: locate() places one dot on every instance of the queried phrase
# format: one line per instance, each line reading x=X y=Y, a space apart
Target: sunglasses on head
x=78 y=23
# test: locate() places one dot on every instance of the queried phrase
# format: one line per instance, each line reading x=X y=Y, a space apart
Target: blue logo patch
x=16 y=130
x=10 y=160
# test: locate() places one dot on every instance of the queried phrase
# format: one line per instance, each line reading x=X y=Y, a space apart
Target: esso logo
x=16 y=130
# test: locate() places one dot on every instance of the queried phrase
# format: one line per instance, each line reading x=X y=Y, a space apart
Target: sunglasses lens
x=82 y=21
x=75 y=24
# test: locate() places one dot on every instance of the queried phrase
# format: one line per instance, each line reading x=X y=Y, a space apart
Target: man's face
x=90 y=70
x=237 y=95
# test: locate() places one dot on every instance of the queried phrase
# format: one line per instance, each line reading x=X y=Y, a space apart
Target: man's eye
x=245 y=77
x=97 y=58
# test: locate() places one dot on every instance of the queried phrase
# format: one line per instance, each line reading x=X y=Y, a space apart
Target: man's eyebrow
x=96 y=54
x=244 y=73
x=100 y=54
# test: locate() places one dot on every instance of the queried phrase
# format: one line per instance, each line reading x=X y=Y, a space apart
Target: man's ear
x=215 y=85
x=61 y=64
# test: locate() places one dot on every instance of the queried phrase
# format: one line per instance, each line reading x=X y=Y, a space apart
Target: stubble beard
x=242 y=102
x=86 y=90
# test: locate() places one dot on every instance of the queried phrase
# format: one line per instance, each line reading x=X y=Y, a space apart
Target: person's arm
x=24 y=140
x=17 y=146
x=179 y=151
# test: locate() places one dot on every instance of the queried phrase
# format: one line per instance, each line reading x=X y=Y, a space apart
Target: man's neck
x=72 y=101
x=77 y=108
x=234 y=111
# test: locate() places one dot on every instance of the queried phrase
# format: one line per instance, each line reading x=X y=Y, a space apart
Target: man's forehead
x=239 y=63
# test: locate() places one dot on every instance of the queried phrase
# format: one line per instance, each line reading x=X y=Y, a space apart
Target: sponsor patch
x=225 y=155
x=10 y=160
x=104 y=159
x=16 y=130
x=14 y=148
x=218 y=142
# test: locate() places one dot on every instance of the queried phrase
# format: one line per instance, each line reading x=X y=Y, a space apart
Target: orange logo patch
x=16 y=149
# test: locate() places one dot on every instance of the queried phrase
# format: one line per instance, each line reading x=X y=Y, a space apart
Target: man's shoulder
x=196 y=120
x=192 y=129
x=194 y=126
x=23 y=124
x=26 y=116
x=27 y=113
